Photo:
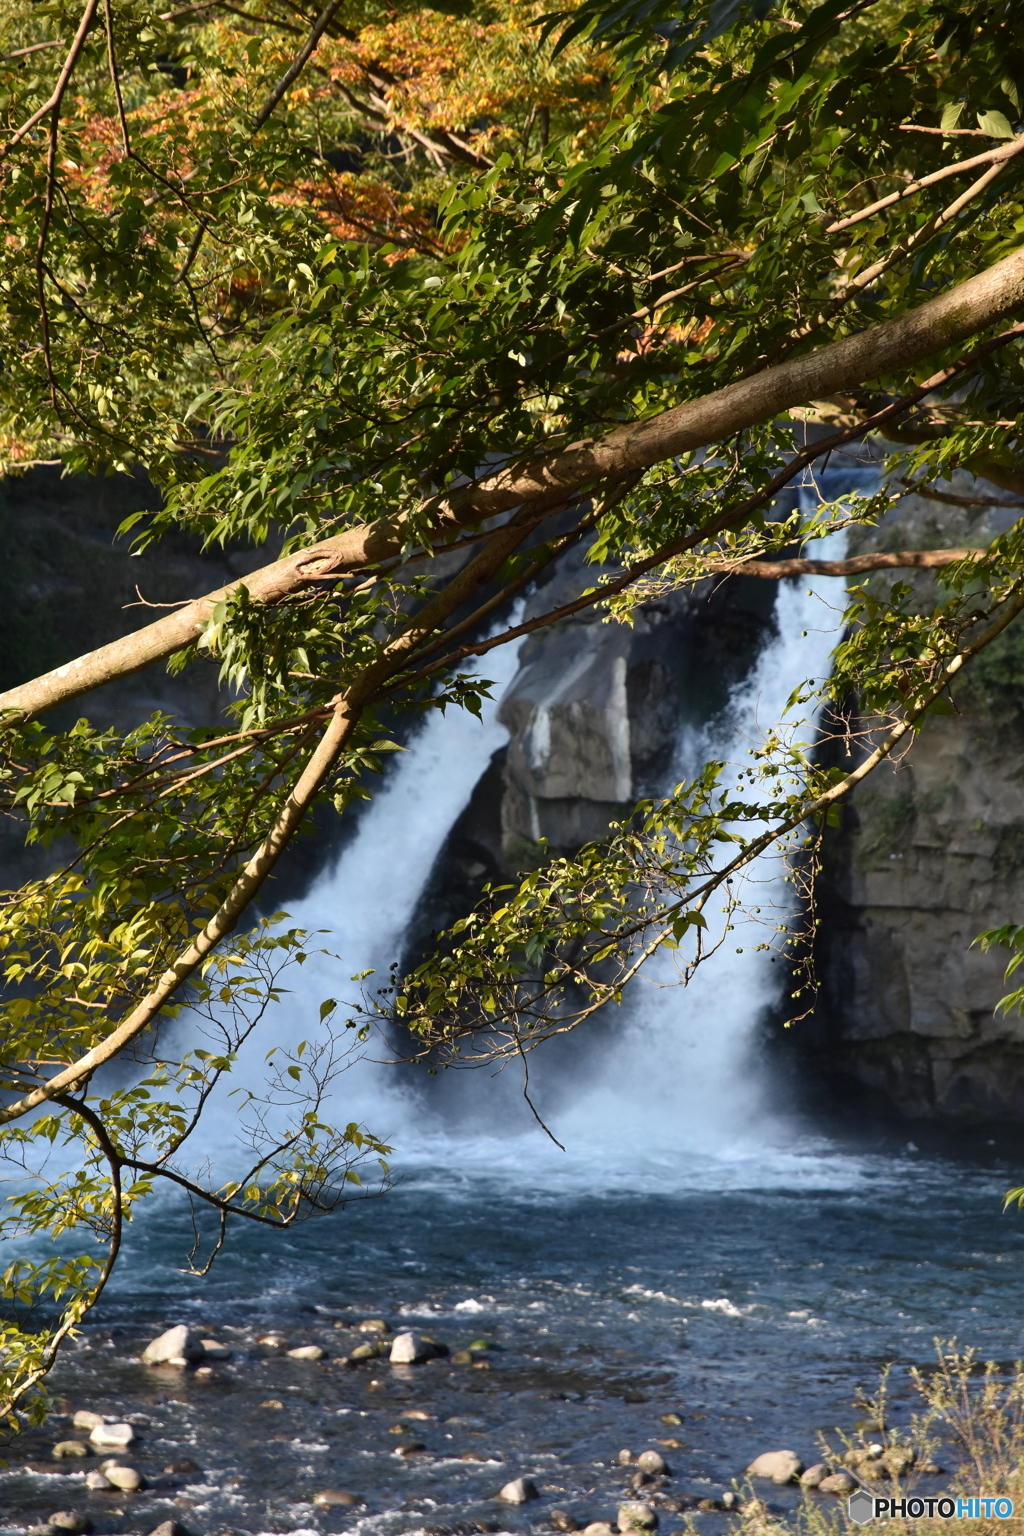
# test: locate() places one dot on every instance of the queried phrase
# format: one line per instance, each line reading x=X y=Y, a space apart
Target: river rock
x=671 y=1418
x=329 y=1497
x=463 y=1357
x=71 y=1521
x=563 y=1521
x=178 y=1346
x=98 y=1482
x=68 y=1449
x=813 y=1476
x=415 y=1448
x=112 y=1437
x=213 y=1349
x=625 y=1458
x=273 y=1341
x=125 y=1478
x=637 y=1517
x=410 y=1349
x=519 y=1491
x=710 y=1506
x=307 y=1352
x=169 y=1528
x=599 y=1528
x=374 y=1325
x=839 y=1483
x=780 y=1466
x=86 y=1419
x=653 y=1462
x=186 y=1468
x=366 y=1351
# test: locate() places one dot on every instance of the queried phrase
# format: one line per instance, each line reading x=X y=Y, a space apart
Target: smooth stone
x=273 y=1340
x=563 y=1521
x=373 y=1325
x=177 y=1344
x=673 y=1444
x=462 y=1357
x=671 y=1418
x=640 y=1480
x=271 y=1402
x=70 y=1520
x=653 y=1462
x=780 y=1466
x=125 y=1478
x=214 y=1350
x=476 y=1456
x=86 y=1419
x=729 y=1500
x=599 y=1528
x=625 y=1458
x=838 y=1483
x=365 y=1352
x=637 y=1517
x=184 y=1466
x=519 y=1491
x=814 y=1475
x=332 y=1496
x=69 y=1448
x=169 y=1528
x=410 y=1349
x=307 y=1352
x=417 y=1413
x=206 y=1373
x=98 y=1482
x=112 y=1437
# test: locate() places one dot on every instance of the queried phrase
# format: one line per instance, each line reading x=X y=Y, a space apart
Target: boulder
x=839 y=1483
x=653 y=1462
x=125 y=1478
x=112 y=1437
x=71 y=1521
x=329 y=1497
x=178 y=1346
x=780 y=1466
x=519 y=1491
x=307 y=1352
x=409 y=1349
x=65 y=1449
x=86 y=1419
x=98 y=1482
x=813 y=1476
x=637 y=1517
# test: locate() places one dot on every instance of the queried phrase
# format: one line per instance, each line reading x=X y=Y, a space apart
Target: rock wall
x=929 y=854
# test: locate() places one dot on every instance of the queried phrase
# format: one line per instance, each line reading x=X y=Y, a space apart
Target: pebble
x=112 y=1437
x=307 y=1352
x=273 y=1341
x=70 y=1520
x=838 y=1483
x=86 y=1419
x=125 y=1478
x=409 y=1349
x=637 y=1517
x=417 y=1413
x=563 y=1521
x=328 y=1497
x=177 y=1346
x=625 y=1458
x=519 y=1491
x=69 y=1448
x=780 y=1466
x=653 y=1462
x=814 y=1475
x=272 y=1402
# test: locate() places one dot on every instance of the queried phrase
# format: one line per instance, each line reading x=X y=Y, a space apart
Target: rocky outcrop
x=929 y=853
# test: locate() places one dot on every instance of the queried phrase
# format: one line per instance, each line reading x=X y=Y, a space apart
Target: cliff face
x=930 y=854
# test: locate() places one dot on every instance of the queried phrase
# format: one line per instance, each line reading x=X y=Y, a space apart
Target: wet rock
x=476 y=1456
x=599 y=1528
x=653 y=1462
x=69 y=1449
x=328 y=1498
x=86 y=1419
x=71 y=1521
x=463 y=1357
x=729 y=1500
x=367 y=1351
x=671 y=1418
x=709 y=1506
x=207 y=1373
x=374 y=1325
x=839 y=1483
x=170 y=1528
x=112 y=1437
x=637 y=1517
x=813 y=1476
x=410 y=1349
x=307 y=1352
x=273 y=1341
x=625 y=1458
x=899 y=1459
x=98 y=1482
x=127 y=1479
x=673 y=1444
x=640 y=1480
x=780 y=1466
x=931 y=1469
x=271 y=1402
x=419 y=1414
x=563 y=1521
x=178 y=1346
x=214 y=1350
x=858 y=1454
x=482 y=1365
x=519 y=1491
